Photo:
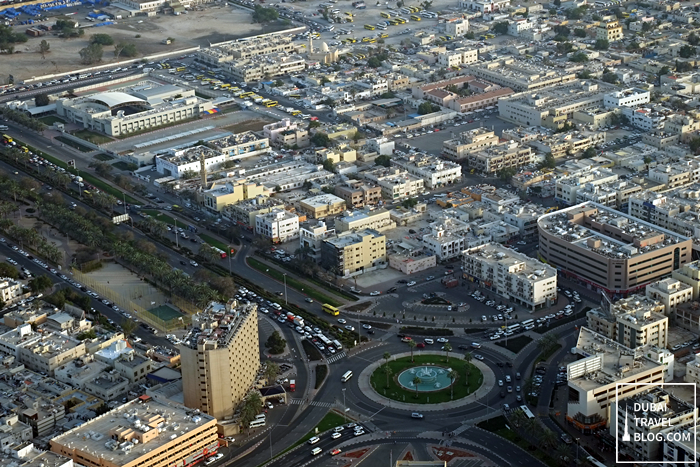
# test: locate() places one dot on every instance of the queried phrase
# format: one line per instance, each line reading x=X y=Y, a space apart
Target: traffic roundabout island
x=428 y=381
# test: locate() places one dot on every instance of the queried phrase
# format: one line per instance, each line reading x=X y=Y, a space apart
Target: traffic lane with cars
x=326 y=444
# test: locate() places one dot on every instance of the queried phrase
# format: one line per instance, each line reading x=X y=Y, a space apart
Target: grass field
x=165 y=313
x=214 y=242
x=291 y=282
x=330 y=421
x=73 y=144
x=515 y=344
x=161 y=216
x=397 y=392
x=91 y=136
x=499 y=426
x=51 y=119
x=103 y=157
x=121 y=165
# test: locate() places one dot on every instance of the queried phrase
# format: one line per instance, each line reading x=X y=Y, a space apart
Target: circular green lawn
x=396 y=392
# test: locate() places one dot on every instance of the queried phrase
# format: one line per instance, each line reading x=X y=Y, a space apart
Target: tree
x=453 y=376
x=648 y=160
x=207 y=253
x=447 y=348
x=102 y=39
x=632 y=46
x=664 y=71
x=579 y=57
x=695 y=144
x=506 y=174
x=374 y=62
x=387 y=371
x=386 y=356
x=44 y=48
x=275 y=343
x=124 y=49
x=321 y=139
x=40 y=284
x=575 y=13
x=427 y=108
x=427 y=4
x=467 y=368
x=549 y=161
x=585 y=74
x=602 y=44
x=693 y=39
x=687 y=51
x=41 y=99
x=128 y=327
x=272 y=369
x=682 y=67
x=264 y=15
x=383 y=160
x=7 y=270
x=579 y=32
x=610 y=78
x=329 y=165
x=91 y=54
x=549 y=438
x=562 y=31
x=314 y=124
x=409 y=203
x=412 y=345
x=500 y=28
x=416 y=381
x=589 y=152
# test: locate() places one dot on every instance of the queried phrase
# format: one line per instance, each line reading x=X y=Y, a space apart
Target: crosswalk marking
x=336 y=357
x=327 y=405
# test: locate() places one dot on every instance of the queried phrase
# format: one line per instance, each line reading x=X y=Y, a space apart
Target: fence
x=127 y=304
x=185 y=306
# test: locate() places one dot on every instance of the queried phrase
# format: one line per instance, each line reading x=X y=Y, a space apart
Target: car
x=351 y=425
x=342 y=321
x=406 y=339
x=308 y=300
x=194 y=263
x=420 y=345
x=336 y=451
x=375 y=293
x=359 y=432
x=336 y=435
x=429 y=278
x=500 y=382
x=366 y=326
x=411 y=284
x=443 y=340
x=429 y=341
x=478 y=357
x=417 y=415
x=349 y=328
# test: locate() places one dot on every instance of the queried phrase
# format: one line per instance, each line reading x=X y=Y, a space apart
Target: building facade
x=278 y=225
x=350 y=253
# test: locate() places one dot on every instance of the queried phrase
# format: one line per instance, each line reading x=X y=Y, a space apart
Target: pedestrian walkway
x=327 y=405
x=336 y=357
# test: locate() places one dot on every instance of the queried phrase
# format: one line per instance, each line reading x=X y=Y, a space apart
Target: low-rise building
x=396 y=183
x=446 y=238
x=351 y=253
x=468 y=142
x=241 y=145
x=671 y=293
x=244 y=212
x=286 y=133
x=610 y=31
x=436 y=173
x=513 y=276
x=278 y=225
x=497 y=158
x=225 y=192
x=412 y=260
x=627 y=98
x=689 y=274
x=634 y=322
x=322 y=206
x=268 y=66
x=10 y=290
x=107 y=386
x=143 y=432
x=379 y=220
x=358 y=194
x=312 y=236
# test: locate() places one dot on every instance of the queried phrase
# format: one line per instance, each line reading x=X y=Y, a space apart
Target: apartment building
x=241 y=145
x=457 y=57
x=608 y=250
x=220 y=359
x=692 y=370
x=244 y=212
x=661 y=412
x=278 y=225
x=412 y=261
x=286 y=133
x=630 y=97
x=671 y=293
x=687 y=316
x=519 y=74
x=689 y=274
x=41 y=351
x=667 y=210
x=467 y=142
x=496 y=158
x=634 y=322
x=485 y=6
x=511 y=275
x=457 y=26
x=379 y=220
x=9 y=290
x=610 y=31
x=227 y=191
x=435 y=172
x=553 y=107
x=358 y=194
x=43 y=415
x=351 y=253
x=246 y=48
x=478 y=101
x=445 y=239
x=676 y=175
x=144 y=433
x=107 y=386
x=571 y=142
x=282 y=176
x=593 y=379
x=318 y=207
x=567 y=188
x=396 y=183
x=312 y=236
x=518 y=26
x=264 y=67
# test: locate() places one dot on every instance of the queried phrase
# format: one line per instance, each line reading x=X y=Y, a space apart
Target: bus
x=415 y=18
x=346 y=377
x=257 y=423
x=337 y=345
x=369 y=26
x=513 y=327
x=270 y=104
x=7 y=138
x=527 y=323
x=225 y=86
x=526 y=411
x=182 y=68
x=331 y=310
x=296 y=112
x=385 y=15
x=246 y=94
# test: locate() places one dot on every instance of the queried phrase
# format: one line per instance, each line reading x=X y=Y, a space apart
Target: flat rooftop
x=97 y=436
x=518 y=264
x=591 y=226
x=217 y=324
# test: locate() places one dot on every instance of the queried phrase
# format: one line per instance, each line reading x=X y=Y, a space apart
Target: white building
x=435 y=172
x=396 y=184
x=518 y=26
x=670 y=292
x=278 y=225
x=446 y=238
x=175 y=163
x=484 y=6
x=626 y=98
x=9 y=290
x=311 y=238
x=512 y=275
x=457 y=27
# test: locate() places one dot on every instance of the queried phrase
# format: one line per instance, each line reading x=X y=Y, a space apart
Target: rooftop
x=216 y=326
x=517 y=264
x=322 y=200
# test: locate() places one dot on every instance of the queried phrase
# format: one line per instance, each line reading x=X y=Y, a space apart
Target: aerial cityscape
x=291 y=233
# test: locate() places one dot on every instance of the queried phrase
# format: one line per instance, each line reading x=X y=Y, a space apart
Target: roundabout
x=430 y=381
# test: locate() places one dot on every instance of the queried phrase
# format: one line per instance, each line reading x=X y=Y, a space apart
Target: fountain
x=432 y=378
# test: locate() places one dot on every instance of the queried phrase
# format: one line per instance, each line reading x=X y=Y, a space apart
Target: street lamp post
x=345 y=409
x=229 y=260
x=285 y=288
x=577 y=445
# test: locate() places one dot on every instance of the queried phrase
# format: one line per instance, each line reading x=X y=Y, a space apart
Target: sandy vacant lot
x=213 y=24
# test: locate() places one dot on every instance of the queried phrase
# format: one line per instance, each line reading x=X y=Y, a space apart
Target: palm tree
x=548 y=438
x=517 y=417
x=467 y=368
x=207 y=253
x=562 y=454
x=453 y=376
x=412 y=345
x=271 y=371
x=416 y=382
x=387 y=372
x=386 y=357
x=128 y=327
x=447 y=348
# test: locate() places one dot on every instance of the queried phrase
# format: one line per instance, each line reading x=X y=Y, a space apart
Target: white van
x=476 y=345
x=314 y=440
x=316 y=451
